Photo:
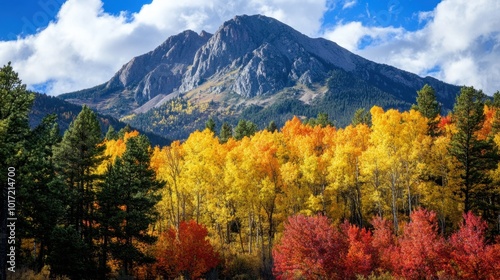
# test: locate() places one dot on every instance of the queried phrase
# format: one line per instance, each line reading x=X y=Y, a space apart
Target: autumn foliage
x=361 y=255
x=293 y=203
x=421 y=251
x=310 y=249
x=471 y=256
x=186 y=252
x=313 y=248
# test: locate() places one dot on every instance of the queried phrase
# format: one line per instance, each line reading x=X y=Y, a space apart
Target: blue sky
x=64 y=45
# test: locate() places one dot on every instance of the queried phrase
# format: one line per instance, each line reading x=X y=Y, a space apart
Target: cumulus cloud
x=460 y=43
x=85 y=46
x=350 y=35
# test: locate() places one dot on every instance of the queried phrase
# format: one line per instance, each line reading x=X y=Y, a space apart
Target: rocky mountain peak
x=161 y=70
x=247 y=56
x=265 y=56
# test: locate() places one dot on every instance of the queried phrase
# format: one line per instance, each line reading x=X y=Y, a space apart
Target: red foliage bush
x=471 y=257
x=186 y=252
x=422 y=252
x=383 y=243
x=360 y=257
x=310 y=249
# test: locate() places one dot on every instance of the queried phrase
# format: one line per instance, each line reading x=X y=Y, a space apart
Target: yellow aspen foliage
x=344 y=173
x=202 y=177
x=415 y=144
x=442 y=178
x=243 y=190
x=114 y=149
x=168 y=163
x=382 y=168
x=309 y=150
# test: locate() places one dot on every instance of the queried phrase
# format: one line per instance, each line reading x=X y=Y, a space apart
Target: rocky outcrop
x=161 y=70
x=267 y=55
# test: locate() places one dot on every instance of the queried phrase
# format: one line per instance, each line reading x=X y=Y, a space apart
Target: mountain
x=67 y=112
x=252 y=67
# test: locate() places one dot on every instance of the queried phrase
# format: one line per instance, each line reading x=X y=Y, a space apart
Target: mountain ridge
x=252 y=61
x=44 y=105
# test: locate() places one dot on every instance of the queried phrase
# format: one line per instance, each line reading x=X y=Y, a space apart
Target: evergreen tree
x=361 y=116
x=77 y=157
x=41 y=188
x=428 y=106
x=15 y=103
x=108 y=215
x=124 y=130
x=476 y=156
x=321 y=120
x=226 y=132
x=272 y=127
x=244 y=128
x=68 y=258
x=127 y=198
x=111 y=134
x=210 y=124
x=427 y=103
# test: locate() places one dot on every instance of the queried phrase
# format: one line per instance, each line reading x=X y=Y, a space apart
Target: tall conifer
x=127 y=200
x=77 y=157
x=476 y=156
x=15 y=103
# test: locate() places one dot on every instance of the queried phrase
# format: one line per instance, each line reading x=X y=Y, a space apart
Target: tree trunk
x=394 y=206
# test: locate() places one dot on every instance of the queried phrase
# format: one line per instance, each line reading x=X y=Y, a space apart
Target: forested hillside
x=67 y=112
x=396 y=194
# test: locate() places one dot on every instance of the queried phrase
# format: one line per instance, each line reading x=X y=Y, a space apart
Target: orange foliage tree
x=360 y=258
x=185 y=252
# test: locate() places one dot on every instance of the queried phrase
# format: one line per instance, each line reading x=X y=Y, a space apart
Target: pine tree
x=496 y=119
x=476 y=156
x=361 y=116
x=41 y=188
x=427 y=103
x=69 y=255
x=321 y=120
x=77 y=157
x=272 y=127
x=124 y=130
x=15 y=103
x=127 y=200
x=108 y=208
x=226 y=132
x=244 y=128
x=210 y=125
x=111 y=134
x=428 y=106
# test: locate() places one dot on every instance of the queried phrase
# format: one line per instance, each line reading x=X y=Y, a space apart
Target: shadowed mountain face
x=67 y=112
x=254 y=67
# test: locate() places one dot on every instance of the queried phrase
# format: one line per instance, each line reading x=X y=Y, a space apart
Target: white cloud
x=461 y=39
x=85 y=46
x=349 y=4
x=349 y=35
x=424 y=16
